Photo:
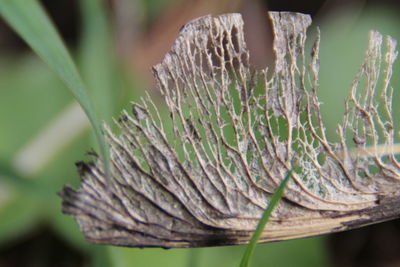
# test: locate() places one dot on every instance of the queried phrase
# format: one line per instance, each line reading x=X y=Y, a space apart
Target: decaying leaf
x=235 y=134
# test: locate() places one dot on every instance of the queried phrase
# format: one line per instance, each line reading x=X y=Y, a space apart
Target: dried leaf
x=236 y=134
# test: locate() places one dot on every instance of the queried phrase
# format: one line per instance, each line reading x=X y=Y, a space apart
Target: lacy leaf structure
x=200 y=171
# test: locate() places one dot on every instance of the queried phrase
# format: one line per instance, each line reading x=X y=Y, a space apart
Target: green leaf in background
x=30 y=21
x=96 y=58
x=19 y=204
x=19 y=215
x=344 y=38
x=135 y=257
x=25 y=84
x=263 y=221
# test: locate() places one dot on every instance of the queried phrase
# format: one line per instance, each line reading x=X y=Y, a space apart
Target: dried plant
x=236 y=132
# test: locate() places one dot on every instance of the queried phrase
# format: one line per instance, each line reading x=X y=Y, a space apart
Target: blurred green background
x=114 y=43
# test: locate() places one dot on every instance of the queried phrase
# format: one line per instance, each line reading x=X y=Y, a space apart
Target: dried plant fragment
x=235 y=134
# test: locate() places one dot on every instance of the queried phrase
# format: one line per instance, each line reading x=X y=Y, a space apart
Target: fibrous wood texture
x=236 y=132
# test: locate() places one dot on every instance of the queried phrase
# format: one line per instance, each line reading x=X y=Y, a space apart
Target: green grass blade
x=30 y=21
x=263 y=221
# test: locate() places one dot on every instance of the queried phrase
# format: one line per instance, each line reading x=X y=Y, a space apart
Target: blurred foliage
x=29 y=103
x=344 y=38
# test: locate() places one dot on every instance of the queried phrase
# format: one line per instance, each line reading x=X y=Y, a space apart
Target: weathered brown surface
x=236 y=133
